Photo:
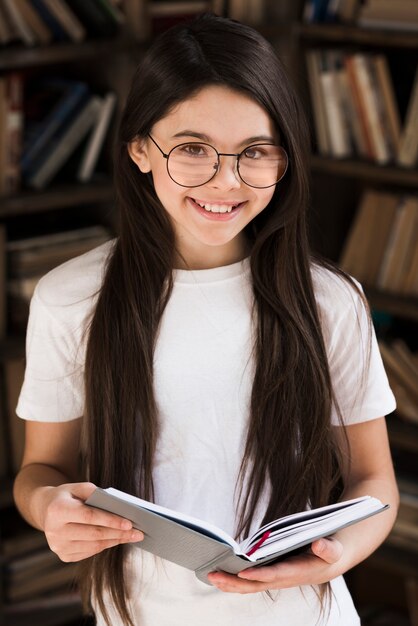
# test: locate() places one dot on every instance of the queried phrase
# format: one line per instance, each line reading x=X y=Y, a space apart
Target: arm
x=49 y=498
x=371 y=474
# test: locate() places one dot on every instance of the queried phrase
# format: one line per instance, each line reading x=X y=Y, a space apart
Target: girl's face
x=229 y=121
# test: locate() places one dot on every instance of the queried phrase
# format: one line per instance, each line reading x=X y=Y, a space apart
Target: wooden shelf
x=56 y=197
x=19 y=57
x=395 y=304
x=341 y=34
x=390 y=175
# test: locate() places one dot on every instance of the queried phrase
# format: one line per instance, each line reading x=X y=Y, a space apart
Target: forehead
x=224 y=115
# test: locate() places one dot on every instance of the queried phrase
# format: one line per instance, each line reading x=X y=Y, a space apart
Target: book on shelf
x=386 y=14
x=368 y=236
x=21 y=26
x=408 y=149
x=330 y=79
x=67 y=19
x=381 y=247
x=402 y=369
x=329 y=11
x=47 y=109
x=400 y=247
x=11 y=131
x=30 y=258
x=64 y=144
x=99 y=17
x=42 y=33
x=49 y=18
x=97 y=138
x=203 y=548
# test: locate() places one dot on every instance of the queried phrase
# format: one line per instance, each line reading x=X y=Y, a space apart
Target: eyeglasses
x=194 y=163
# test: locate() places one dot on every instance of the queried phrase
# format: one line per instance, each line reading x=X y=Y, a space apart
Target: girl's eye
x=254 y=153
x=194 y=149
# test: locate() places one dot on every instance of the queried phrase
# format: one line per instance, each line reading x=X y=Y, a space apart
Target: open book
x=204 y=548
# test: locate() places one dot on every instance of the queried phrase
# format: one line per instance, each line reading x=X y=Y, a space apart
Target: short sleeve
x=360 y=384
x=52 y=390
x=60 y=313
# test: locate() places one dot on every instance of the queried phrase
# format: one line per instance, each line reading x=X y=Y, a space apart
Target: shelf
x=390 y=175
x=56 y=197
x=19 y=57
x=395 y=304
x=351 y=34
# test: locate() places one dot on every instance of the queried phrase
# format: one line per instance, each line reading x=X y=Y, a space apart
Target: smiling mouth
x=217 y=207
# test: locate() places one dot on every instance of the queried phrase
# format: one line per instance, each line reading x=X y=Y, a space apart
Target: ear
x=138 y=151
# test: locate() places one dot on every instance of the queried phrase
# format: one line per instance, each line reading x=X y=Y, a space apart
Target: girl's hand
x=75 y=531
x=319 y=565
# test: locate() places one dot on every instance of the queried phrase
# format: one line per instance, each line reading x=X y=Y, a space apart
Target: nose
x=226 y=173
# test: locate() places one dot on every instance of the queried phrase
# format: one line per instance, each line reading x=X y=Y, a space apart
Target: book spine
x=370 y=106
x=320 y=120
x=25 y=33
x=91 y=155
x=14 y=132
x=40 y=29
x=67 y=144
x=337 y=128
x=390 y=104
x=69 y=22
x=408 y=146
x=69 y=103
x=53 y=24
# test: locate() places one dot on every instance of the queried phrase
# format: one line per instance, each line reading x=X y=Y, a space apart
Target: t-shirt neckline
x=212 y=275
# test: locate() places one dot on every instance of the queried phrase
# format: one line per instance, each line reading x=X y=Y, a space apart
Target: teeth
x=216 y=208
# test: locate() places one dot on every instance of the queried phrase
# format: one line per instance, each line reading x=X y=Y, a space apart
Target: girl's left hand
x=319 y=565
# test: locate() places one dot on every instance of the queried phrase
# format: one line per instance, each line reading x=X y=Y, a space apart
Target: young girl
x=204 y=359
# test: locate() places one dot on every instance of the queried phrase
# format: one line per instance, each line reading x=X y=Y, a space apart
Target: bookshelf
x=389 y=578
x=105 y=63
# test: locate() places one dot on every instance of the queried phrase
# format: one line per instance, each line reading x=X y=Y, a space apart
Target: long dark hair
x=292 y=393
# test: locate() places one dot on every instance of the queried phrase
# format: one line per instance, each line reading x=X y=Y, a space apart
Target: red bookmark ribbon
x=259 y=543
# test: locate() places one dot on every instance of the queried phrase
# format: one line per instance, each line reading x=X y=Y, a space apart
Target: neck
x=202 y=257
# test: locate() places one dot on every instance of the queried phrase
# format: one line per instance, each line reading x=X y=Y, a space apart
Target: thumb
x=328 y=549
x=82 y=490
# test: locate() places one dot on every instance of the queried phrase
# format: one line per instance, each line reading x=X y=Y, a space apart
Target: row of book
x=30 y=570
x=381 y=249
x=401 y=15
x=401 y=365
x=40 y=22
x=355 y=108
x=45 y=124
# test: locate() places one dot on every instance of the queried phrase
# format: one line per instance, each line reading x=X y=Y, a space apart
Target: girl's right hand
x=75 y=531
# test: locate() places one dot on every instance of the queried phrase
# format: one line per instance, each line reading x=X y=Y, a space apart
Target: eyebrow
x=206 y=138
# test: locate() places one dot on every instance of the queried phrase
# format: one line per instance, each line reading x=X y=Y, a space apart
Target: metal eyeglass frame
x=219 y=154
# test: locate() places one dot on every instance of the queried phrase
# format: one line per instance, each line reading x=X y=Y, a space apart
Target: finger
x=328 y=549
x=83 y=550
x=83 y=532
x=78 y=512
x=231 y=584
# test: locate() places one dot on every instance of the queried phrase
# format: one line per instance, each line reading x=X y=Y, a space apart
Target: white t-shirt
x=203 y=374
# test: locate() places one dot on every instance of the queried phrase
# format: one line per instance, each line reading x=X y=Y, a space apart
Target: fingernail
x=136 y=535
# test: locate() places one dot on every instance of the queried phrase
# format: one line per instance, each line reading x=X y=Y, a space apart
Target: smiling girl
x=205 y=359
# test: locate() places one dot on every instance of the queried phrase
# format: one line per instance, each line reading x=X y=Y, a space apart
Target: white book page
x=182 y=518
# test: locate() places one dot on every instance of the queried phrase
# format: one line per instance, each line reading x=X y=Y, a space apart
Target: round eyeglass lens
x=262 y=165
x=194 y=164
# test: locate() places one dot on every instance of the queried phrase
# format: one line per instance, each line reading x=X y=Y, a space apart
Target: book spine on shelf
x=43 y=34
x=25 y=33
x=67 y=143
x=50 y=20
x=13 y=132
x=337 y=125
x=97 y=138
x=408 y=145
x=319 y=114
x=68 y=20
x=97 y=21
x=75 y=93
x=393 y=122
